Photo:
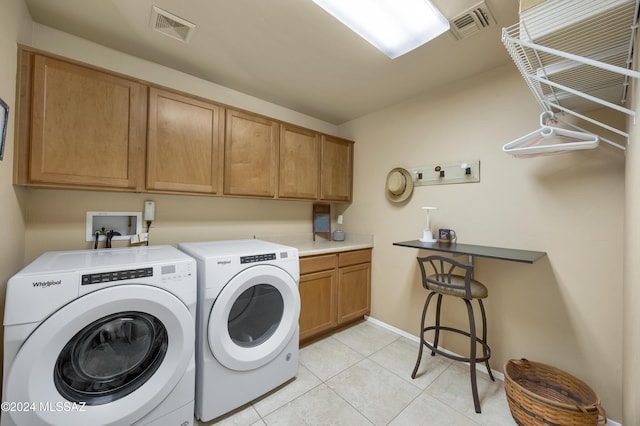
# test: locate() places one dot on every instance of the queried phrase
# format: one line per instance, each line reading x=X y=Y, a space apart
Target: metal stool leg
x=437 y=334
x=484 y=338
x=472 y=356
x=422 y=341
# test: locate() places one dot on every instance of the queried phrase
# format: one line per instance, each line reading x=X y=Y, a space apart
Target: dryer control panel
x=257 y=258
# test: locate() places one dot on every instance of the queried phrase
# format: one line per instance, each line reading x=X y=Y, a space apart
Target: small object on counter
x=322 y=220
x=447 y=236
x=338 y=235
x=427 y=235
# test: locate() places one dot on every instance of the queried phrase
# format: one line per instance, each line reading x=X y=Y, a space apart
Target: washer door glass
x=110 y=358
x=254 y=317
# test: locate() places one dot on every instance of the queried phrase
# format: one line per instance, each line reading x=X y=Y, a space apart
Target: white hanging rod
x=571 y=56
x=603 y=139
x=584 y=95
x=585 y=118
x=567 y=64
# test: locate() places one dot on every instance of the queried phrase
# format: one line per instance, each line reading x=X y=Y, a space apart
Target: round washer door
x=109 y=357
x=254 y=317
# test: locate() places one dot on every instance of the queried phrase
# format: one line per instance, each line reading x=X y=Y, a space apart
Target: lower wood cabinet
x=334 y=289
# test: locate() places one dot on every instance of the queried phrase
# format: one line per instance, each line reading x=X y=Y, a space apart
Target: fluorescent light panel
x=393 y=26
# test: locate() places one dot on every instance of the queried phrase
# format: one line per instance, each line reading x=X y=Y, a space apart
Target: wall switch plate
x=446 y=173
x=126 y=223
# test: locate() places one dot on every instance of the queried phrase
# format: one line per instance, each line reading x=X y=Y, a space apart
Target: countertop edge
x=500 y=253
x=307 y=247
x=333 y=249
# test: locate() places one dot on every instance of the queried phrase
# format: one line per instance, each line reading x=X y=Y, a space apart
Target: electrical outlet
x=149 y=211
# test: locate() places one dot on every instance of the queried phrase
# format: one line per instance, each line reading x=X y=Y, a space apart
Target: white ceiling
x=288 y=52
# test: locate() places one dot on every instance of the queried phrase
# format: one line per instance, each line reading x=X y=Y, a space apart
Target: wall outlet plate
x=126 y=223
x=446 y=173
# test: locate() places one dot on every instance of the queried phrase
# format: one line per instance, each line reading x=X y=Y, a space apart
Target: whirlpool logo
x=224 y=262
x=47 y=283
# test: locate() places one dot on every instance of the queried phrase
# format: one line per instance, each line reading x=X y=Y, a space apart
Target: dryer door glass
x=255 y=315
x=260 y=307
x=110 y=358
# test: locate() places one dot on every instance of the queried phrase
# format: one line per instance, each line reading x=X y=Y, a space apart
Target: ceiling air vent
x=171 y=25
x=471 y=21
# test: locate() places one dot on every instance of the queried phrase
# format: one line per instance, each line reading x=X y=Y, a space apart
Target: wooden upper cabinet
x=251 y=155
x=184 y=143
x=87 y=128
x=82 y=127
x=299 y=163
x=336 y=169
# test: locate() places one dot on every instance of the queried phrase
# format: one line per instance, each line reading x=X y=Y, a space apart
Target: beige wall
x=564 y=310
x=14 y=26
x=56 y=218
x=64 y=44
x=631 y=293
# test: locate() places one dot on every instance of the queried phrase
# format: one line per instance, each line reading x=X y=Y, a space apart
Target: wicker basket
x=539 y=394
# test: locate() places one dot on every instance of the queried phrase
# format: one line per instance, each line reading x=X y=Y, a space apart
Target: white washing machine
x=101 y=337
x=247 y=321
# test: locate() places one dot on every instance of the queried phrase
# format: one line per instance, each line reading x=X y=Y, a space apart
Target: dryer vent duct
x=171 y=25
x=472 y=21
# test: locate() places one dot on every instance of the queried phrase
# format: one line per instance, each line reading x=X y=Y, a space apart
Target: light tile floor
x=362 y=376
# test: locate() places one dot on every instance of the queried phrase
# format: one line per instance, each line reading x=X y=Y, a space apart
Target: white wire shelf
x=576 y=56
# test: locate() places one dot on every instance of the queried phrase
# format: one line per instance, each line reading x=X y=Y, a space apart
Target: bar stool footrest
x=486 y=350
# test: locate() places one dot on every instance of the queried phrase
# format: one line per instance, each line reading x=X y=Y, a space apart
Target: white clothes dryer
x=101 y=337
x=247 y=321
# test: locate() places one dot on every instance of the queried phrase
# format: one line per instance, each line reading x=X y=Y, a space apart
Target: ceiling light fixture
x=394 y=27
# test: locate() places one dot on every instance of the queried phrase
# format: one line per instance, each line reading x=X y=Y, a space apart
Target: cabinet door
x=299 y=163
x=317 y=303
x=337 y=169
x=87 y=127
x=250 y=158
x=354 y=298
x=184 y=143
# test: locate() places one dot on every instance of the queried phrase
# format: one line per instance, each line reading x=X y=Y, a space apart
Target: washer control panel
x=106 y=277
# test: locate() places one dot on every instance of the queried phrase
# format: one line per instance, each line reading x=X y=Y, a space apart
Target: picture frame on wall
x=4 y=118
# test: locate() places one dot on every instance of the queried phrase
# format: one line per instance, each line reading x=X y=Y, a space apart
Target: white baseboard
x=496 y=374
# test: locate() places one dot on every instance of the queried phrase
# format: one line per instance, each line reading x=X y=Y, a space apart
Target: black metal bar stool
x=445 y=282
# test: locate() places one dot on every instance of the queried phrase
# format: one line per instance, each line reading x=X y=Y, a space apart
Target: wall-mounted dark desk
x=514 y=255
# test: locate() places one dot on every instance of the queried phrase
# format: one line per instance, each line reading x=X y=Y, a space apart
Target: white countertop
x=307 y=247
